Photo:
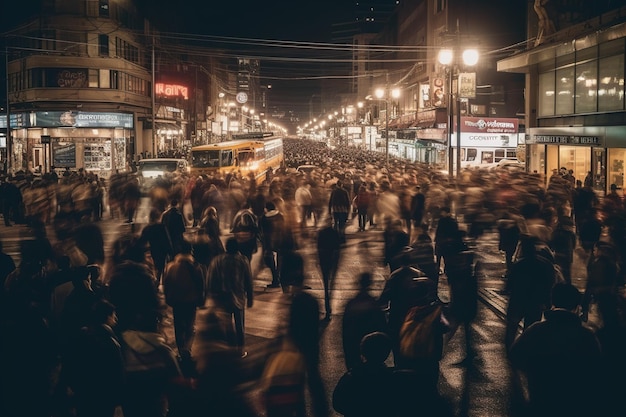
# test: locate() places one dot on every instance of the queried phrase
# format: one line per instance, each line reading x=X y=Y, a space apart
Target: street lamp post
x=447 y=58
x=384 y=95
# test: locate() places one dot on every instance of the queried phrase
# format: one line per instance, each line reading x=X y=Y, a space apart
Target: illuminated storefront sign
x=488 y=125
x=171 y=90
x=68 y=119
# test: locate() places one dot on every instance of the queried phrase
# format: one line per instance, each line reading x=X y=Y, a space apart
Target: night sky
x=241 y=25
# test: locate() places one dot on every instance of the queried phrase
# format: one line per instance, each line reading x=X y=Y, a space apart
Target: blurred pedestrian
x=561 y=360
x=230 y=285
x=184 y=290
x=328 y=254
x=295 y=366
x=362 y=202
x=98 y=369
x=530 y=281
x=362 y=315
x=157 y=239
x=418 y=207
x=174 y=221
x=245 y=228
x=563 y=243
x=339 y=205
x=274 y=232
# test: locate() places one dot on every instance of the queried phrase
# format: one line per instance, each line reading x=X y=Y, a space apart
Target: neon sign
x=171 y=90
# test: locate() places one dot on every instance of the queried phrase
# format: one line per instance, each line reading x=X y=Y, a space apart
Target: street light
x=384 y=95
x=446 y=58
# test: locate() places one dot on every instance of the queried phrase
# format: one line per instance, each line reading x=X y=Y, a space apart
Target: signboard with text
x=69 y=119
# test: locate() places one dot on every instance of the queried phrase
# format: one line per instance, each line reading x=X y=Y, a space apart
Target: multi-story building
x=575 y=109
x=81 y=76
x=403 y=55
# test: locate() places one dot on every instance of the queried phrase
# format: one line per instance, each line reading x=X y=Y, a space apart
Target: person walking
x=304 y=202
x=157 y=239
x=97 y=378
x=328 y=254
x=338 y=207
x=230 y=286
x=175 y=223
x=362 y=202
x=245 y=228
x=184 y=290
x=274 y=231
x=362 y=315
x=530 y=281
x=418 y=207
x=561 y=360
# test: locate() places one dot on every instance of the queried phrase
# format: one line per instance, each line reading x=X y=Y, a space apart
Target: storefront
x=98 y=142
x=599 y=150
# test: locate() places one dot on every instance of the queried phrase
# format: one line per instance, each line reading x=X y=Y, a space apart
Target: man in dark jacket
x=561 y=360
x=183 y=285
x=175 y=224
x=273 y=236
x=157 y=239
x=529 y=284
x=339 y=207
x=328 y=254
x=231 y=286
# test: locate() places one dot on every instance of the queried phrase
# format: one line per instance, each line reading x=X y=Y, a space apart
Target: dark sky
x=292 y=76
x=277 y=19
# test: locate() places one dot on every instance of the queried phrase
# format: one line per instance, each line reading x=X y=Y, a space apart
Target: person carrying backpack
x=416 y=322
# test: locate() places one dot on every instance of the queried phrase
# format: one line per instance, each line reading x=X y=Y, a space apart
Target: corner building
x=79 y=80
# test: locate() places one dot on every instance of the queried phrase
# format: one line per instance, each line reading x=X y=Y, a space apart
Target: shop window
x=616 y=160
x=471 y=154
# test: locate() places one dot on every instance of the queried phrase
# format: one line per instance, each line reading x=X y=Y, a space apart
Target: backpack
x=418 y=335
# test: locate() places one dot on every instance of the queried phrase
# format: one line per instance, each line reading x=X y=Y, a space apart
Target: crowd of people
x=85 y=331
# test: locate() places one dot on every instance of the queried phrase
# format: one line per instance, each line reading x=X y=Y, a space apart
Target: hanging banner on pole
x=467 y=85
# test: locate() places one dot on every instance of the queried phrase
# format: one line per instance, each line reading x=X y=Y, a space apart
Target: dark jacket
x=157 y=238
x=183 y=282
x=230 y=281
x=175 y=224
x=561 y=360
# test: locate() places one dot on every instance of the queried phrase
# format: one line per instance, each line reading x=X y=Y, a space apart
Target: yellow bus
x=252 y=152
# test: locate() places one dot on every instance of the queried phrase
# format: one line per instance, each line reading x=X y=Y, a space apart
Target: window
x=440 y=5
x=94 y=78
x=103 y=42
x=611 y=83
x=586 y=87
x=105 y=78
x=546 y=94
x=565 y=90
x=104 y=8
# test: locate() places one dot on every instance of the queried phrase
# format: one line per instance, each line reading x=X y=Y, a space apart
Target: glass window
x=586 y=87
x=204 y=159
x=471 y=154
x=104 y=8
x=227 y=158
x=105 y=78
x=611 y=83
x=615 y=162
x=565 y=90
x=93 y=78
x=103 y=41
x=546 y=94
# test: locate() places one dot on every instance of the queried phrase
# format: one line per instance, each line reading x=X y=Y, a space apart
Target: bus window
x=487 y=157
x=227 y=158
x=204 y=159
x=471 y=154
x=499 y=154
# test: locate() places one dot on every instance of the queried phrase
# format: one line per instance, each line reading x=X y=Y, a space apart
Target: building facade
x=575 y=107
